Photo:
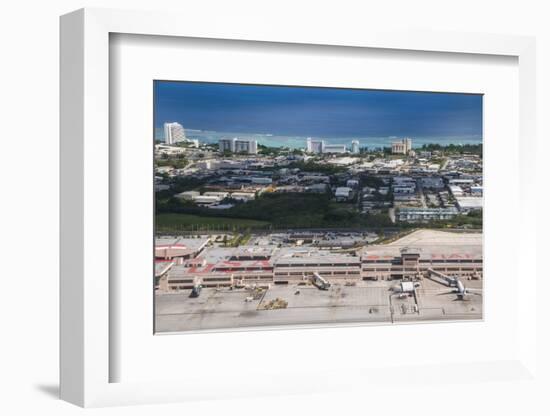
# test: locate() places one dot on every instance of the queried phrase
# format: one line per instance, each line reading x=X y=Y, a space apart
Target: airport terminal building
x=181 y=264
x=406 y=263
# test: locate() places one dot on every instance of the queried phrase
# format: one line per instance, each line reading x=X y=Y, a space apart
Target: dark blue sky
x=321 y=112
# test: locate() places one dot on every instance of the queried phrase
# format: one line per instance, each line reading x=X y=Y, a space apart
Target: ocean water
x=299 y=142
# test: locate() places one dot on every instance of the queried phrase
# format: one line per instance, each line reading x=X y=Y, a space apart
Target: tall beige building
x=402 y=147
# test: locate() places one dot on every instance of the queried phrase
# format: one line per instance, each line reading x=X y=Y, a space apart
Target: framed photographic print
x=326 y=204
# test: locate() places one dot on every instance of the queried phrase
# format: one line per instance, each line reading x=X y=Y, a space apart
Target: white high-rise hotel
x=237 y=145
x=320 y=146
x=173 y=133
x=315 y=146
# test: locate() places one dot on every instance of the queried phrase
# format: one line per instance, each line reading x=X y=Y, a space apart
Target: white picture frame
x=86 y=355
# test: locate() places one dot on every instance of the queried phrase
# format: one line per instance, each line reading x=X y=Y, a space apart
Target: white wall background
x=29 y=185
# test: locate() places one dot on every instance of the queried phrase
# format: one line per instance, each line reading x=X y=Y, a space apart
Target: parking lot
x=368 y=302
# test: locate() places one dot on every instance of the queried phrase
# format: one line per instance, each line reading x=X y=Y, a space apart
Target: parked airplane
x=459 y=288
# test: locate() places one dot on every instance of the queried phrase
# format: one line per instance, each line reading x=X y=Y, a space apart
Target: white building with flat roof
x=261 y=181
x=315 y=146
x=425 y=214
x=355 y=146
x=243 y=196
x=221 y=195
x=335 y=148
x=188 y=195
x=226 y=145
x=469 y=203
x=206 y=199
x=161 y=149
x=236 y=145
x=249 y=146
x=456 y=190
x=461 y=181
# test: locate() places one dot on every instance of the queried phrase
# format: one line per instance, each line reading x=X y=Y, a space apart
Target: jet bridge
x=441 y=278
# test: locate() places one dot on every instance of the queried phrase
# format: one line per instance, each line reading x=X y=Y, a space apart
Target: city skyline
x=314 y=111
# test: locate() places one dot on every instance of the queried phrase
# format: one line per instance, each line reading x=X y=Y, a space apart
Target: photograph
x=280 y=206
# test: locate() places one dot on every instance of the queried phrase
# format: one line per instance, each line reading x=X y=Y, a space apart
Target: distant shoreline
x=299 y=142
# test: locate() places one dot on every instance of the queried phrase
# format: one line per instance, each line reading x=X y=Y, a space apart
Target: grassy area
x=283 y=211
x=181 y=222
x=312 y=166
x=288 y=210
x=295 y=210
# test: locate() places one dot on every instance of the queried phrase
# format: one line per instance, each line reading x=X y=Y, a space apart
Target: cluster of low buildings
x=214 y=199
x=467 y=191
x=423 y=194
x=244 y=177
x=419 y=187
x=374 y=200
x=439 y=197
